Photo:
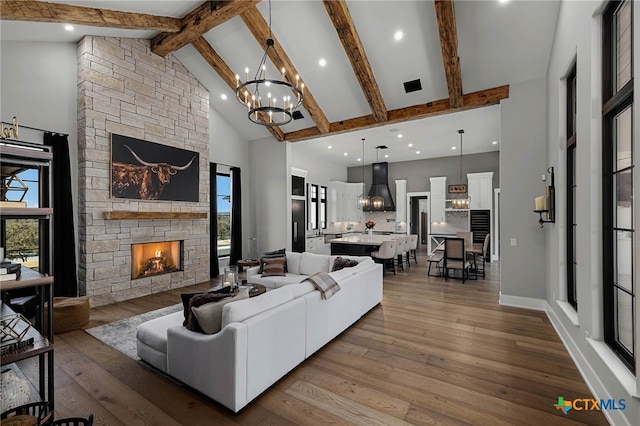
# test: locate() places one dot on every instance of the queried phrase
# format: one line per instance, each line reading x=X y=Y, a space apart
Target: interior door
x=298 y=223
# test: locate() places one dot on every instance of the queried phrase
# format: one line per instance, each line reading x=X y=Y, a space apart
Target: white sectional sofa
x=262 y=338
x=299 y=267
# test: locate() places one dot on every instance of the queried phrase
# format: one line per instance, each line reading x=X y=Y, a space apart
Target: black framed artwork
x=142 y=170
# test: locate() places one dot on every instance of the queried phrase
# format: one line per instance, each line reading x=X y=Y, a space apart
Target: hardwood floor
x=433 y=352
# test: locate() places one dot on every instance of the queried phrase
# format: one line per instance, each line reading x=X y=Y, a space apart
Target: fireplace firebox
x=148 y=259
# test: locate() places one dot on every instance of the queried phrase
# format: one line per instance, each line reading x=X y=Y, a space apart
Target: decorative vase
x=14 y=391
x=370 y=234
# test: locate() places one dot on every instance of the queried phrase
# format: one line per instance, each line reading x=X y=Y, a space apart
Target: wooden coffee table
x=256 y=290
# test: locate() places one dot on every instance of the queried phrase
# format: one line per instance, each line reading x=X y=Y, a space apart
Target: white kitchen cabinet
x=354 y=214
x=317 y=245
x=401 y=200
x=480 y=190
x=343 y=202
x=438 y=192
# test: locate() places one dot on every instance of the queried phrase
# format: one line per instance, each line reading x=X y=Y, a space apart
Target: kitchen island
x=360 y=245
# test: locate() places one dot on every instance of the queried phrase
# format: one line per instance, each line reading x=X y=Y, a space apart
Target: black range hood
x=380 y=188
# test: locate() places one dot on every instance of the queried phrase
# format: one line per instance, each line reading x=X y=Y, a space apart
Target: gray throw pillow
x=209 y=316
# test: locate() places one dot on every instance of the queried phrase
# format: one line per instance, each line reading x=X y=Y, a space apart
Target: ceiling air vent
x=412 y=86
x=297 y=115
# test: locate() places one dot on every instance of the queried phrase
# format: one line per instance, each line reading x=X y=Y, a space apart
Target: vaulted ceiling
x=465 y=54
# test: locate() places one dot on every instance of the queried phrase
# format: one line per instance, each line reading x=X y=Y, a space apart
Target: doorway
x=419 y=206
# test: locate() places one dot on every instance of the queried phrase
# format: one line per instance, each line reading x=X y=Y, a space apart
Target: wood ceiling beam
x=446 y=18
x=440 y=107
x=229 y=77
x=346 y=29
x=40 y=11
x=255 y=22
x=197 y=22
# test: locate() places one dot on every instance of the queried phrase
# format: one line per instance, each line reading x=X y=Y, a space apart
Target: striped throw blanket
x=324 y=283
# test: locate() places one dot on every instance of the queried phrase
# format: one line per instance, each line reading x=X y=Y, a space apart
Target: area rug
x=121 y=335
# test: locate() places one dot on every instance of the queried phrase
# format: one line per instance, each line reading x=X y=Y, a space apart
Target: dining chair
x=455 y=257
x=40 y=412
x=435 y=259
x=485 y=253
x=74 y=421
x=400 y=251
x=386 y=255
x=413 y=247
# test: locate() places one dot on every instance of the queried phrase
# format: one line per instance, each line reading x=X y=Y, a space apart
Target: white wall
x=522 y=162
x=578 y=39
x=270 y=186
x=320 y=173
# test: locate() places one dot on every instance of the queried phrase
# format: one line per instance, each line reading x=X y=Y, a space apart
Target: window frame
x=615 y=101
x=228 y=175
x=571 y=228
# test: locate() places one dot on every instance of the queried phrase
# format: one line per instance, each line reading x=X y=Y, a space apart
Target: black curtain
x=213 y=218
x=236 y=217
x=64 y=246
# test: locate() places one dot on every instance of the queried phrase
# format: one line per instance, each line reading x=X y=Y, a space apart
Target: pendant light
x=377 y=202
x=363 y=199
x=460 y=201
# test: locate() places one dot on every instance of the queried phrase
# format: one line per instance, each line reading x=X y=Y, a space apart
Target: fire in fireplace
x=149 y=259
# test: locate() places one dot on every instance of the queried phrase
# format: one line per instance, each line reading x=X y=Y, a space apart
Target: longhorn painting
x=150 y=171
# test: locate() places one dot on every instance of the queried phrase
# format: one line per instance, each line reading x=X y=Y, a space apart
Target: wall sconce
x=546 y=205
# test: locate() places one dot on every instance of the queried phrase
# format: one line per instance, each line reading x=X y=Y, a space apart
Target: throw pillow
x=270 y=255
x=341 y=262
x=198 y=300
x=274 y=267
x=186 y=297
x=209 y=316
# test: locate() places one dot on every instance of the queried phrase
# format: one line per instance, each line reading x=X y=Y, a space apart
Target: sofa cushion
x=364 y=264
x=341 y=274
x=210 y=315
x=342 y=262
x=244 y=309
x=277 y=281
x=153 y=333
x=310 y=263
x=293 y=262
x=274 y=266
x=195 y=300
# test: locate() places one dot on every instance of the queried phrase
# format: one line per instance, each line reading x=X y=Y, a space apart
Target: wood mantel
x=120 y=214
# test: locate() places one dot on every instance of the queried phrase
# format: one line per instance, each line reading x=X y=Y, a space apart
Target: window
x=21 y=237
x=572 y=227
x=223 y=185
x=317 y=207
x=618 y=176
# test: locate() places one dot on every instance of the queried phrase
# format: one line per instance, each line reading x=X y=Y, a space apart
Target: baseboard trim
x=523 y=302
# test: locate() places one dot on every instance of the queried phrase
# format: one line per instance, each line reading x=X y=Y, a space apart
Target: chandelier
x=460 y=201
x=268 y=100
x=363 y=199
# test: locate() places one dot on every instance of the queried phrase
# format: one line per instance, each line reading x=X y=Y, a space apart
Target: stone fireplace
x=124 y=88
x=157 y=258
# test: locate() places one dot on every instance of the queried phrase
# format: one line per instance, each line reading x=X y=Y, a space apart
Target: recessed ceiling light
x=329 y=147
x=322 y=62
x=345 y=154
x=494 y=143
x=503 y=1
x=398 y=35
x=400 y=136
x=68 y=27
x=223 y=97
x=417 y=152
x=359 y=159
x=410 y=145
x=386 y=156
x=454 y=148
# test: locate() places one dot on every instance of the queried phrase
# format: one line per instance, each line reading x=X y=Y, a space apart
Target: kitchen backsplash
x=385 y=222
x=455 y=221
